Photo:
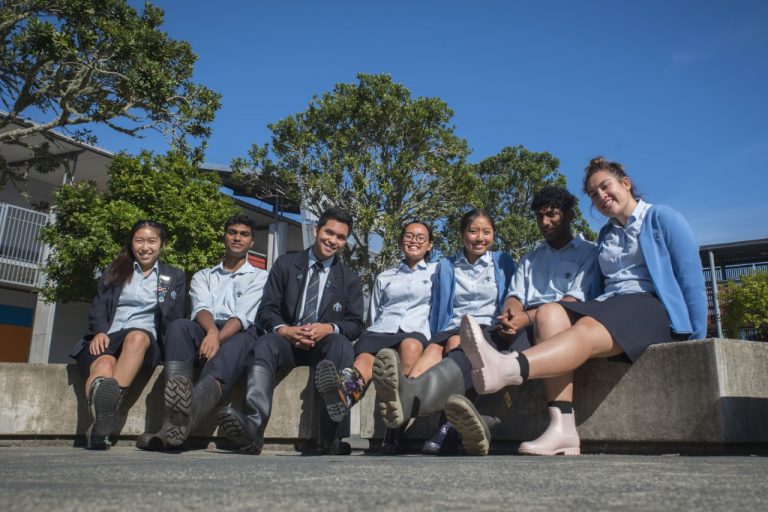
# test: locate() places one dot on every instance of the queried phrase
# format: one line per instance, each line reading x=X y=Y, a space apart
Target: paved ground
x=63 y=478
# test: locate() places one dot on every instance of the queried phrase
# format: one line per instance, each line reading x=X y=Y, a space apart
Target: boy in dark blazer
x=311 y=308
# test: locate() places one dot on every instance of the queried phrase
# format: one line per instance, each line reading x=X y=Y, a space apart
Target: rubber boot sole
x=386 y=379
x=571 y=451
x=178 y=403
x=468 y=422
x=329 y=386
x=231 y=424
x=105 y=400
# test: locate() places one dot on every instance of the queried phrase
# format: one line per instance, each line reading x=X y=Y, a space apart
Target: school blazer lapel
x=300 y=267
x=331 y=290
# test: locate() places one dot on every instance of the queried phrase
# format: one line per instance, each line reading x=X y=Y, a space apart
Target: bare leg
x=131 y=358
x=566 y=351
x=452 y=343
x=432 y=355
x=364 y=365
x=104 y=366
x=552 y=319
x=410 y=349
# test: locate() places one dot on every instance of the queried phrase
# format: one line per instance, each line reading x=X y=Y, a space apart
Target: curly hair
x=554 y=197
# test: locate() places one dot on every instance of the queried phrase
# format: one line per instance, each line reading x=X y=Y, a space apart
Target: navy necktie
x=313 y=295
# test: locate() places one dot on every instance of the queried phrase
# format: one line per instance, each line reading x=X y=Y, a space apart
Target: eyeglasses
x=414 y=237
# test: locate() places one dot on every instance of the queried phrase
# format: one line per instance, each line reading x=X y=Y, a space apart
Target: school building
x=36 y=332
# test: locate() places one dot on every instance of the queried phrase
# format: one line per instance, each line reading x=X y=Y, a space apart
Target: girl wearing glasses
x=474 y=281
x=399 y=311
x=137 y=298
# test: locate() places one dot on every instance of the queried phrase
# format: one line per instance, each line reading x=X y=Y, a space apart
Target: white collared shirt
x=138 y=302
x=621 y=259
x=475 y=292
x=547 y=275
x=401 y=298
x=227 y=294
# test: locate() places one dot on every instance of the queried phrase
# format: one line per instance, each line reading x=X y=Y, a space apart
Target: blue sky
x=675 y=90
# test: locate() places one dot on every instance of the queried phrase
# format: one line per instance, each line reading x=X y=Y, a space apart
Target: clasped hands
x=305 y=336
x=511 y=322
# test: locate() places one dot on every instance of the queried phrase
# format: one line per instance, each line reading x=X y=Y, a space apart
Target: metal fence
x=21 y=250
x=735 y=272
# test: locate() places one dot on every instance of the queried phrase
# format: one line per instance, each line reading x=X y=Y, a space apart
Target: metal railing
x=735 y=272
x=21 y=250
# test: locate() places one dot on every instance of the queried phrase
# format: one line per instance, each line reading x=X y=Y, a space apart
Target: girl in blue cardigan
x=473 y=281
x=651 y=291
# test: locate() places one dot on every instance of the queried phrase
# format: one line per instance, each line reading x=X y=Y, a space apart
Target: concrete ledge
x=709 y=393
x=40 y=400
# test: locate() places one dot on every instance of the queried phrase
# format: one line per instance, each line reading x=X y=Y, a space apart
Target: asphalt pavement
x=47 y=478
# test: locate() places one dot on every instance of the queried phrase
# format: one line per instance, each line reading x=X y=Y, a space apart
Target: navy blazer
x=170 y=298
x=341 y=303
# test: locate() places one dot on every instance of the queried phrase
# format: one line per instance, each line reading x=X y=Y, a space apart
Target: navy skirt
x=635 y=321
x=371 y=342
x=152 y=356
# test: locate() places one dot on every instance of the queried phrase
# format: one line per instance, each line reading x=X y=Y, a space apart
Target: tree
x=371 y=148
x=745 y=304
x=91 y=226
x=506 y=184
x=76 y=63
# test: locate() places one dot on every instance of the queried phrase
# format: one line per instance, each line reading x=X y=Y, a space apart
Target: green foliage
x=80 y=62
x=91 y=226
x=745 y=304
x=505 y=186
x=372 y=149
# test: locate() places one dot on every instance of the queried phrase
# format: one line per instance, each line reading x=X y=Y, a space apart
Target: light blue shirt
x=476 y=291
x=138 y=302
x=227 y=294
x=547 y=275
x=400 y=299
x=620 y=258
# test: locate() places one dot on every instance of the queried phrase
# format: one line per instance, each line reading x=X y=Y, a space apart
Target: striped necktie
x=313 y=295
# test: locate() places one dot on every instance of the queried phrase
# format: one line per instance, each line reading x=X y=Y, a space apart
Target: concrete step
x=710 y=393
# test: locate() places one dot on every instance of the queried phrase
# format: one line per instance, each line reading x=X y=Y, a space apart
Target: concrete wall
x=711 y=394
x=69 y=325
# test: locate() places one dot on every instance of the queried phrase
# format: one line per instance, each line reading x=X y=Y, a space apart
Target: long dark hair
x=121 y=269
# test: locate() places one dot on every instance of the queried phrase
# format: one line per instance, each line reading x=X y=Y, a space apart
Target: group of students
x=439 y=334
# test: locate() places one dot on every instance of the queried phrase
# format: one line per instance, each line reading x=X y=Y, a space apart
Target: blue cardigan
x=443 y=288
x=672 y=256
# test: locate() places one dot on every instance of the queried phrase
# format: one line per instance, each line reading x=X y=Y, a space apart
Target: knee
x=104 y=365
x=433 y=350
x=410 y=348
x=136 y=342
x=452 y=343
x=549 y=314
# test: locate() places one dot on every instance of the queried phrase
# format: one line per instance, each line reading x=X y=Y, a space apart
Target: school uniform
x=291 y=297
x=399 y=308
x=224 y=295
x=340 y=303
x=651 y=280
x=149 y=304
